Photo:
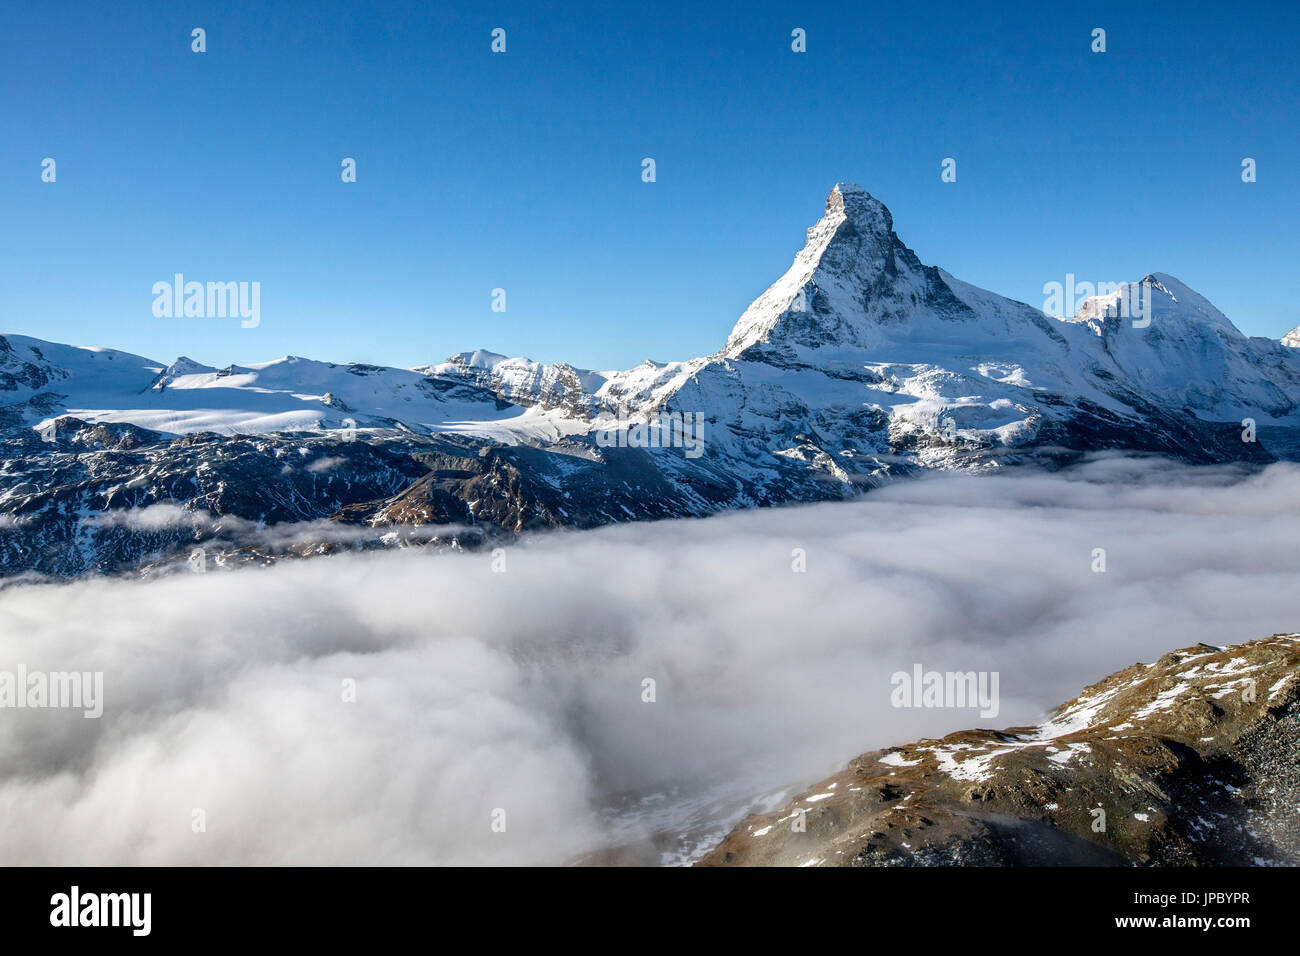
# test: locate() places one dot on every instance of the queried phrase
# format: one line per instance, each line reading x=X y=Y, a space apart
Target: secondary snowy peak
x=183 y=368
x=852 y=277
x=1170 y=344
x=1292 y=338
x=1156 y=294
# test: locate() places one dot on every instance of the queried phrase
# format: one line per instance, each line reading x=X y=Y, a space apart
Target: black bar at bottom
x=331 y=906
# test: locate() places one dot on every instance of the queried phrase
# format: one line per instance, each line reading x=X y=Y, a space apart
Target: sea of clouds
x=480 y=690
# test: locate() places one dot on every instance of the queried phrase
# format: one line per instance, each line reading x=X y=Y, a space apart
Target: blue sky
x=523 y=170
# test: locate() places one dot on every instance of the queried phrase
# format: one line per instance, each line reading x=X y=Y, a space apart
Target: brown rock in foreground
x=1195 y=760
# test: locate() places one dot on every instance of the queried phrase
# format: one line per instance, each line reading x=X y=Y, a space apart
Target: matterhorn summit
x=851 y=277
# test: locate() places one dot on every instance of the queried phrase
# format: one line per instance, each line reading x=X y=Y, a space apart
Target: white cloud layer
x=522 y=690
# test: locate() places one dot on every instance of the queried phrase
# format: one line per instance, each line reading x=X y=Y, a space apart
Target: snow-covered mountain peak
x=852 y=277
x=1157 y=281
x=1176 y=307
x=183 y=366
x=1189 y=303
x=853 y=204
x=1292 y=338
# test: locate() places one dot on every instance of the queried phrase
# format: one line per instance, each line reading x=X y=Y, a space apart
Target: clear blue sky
x=523 y=170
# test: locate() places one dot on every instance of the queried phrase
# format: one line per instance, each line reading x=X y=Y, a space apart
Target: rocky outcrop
x=1192 y=760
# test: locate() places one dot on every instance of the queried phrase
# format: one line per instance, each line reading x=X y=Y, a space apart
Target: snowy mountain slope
x=1191 y=355
x=41 y=381
x=859 y=365
x=44 y=373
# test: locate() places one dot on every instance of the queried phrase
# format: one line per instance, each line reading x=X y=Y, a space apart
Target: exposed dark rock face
x=1192 y=759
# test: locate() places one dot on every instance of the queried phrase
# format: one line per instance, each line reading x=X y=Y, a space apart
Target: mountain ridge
x=859 y=365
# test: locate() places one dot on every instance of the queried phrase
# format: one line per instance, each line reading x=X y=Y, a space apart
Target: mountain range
x=859 y=366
